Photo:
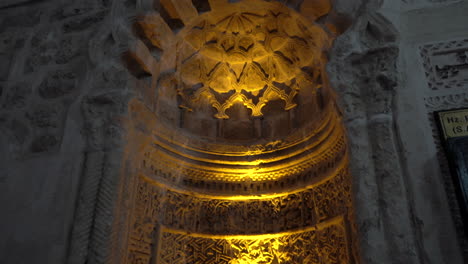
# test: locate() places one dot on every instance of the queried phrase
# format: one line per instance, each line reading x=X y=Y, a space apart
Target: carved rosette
x=247 y=159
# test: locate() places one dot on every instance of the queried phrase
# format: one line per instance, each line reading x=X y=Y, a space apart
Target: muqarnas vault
x=245 y=158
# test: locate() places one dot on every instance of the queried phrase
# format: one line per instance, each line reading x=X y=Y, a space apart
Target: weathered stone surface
x=57 y=84
x=64 y=96
x=22 y=19
x=19 y=131
x=40 y=74
x=44 y=143
x=70 y=48
x=77 y=8
x=46 y=115
x=44 y=45
x=83 y=22
x=16 y=96
x=10 y=43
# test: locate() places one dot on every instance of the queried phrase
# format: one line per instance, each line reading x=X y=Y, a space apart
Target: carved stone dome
x=242 y=96
x=252 y=62
x=252 y=58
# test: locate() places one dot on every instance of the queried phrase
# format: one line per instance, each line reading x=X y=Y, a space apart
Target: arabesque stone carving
x=252 y=68
x=248 y=56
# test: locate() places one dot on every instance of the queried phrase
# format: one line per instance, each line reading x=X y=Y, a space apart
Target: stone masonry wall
x=63 y=89
x=44 y=55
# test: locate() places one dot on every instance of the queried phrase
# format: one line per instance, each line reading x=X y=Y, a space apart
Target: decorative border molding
x=155 y=206
x=444 y=102
x=446 y=64
x=325 y=243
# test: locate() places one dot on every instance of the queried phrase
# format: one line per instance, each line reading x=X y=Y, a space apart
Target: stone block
x=5 y=69
x=46 y=115
x=80 y=23
x=57 y=84
x=10 y=42
x=70 y=48
x=44 y=143
x=19 y=131
x=44 y=46
x=30 y=18
x=16 y=96
x=77 y=8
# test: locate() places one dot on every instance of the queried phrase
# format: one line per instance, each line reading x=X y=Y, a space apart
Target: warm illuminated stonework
x=247 y=160
x=247 y=54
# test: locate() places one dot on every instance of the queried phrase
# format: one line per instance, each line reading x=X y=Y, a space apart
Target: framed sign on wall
x=453 y=125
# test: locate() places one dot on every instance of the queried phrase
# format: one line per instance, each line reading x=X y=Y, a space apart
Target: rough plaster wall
x=44 y=58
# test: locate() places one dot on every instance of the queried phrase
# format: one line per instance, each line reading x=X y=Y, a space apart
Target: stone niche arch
x=232 y=148
x=245 y=157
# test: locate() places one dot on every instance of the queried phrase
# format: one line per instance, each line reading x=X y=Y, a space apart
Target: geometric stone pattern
x=257 y=65
x=280 y=213
x=214 y=216
x=250 y=68
x=446 y=64
x=47 y=83
x=322 y=244
x=249 y=56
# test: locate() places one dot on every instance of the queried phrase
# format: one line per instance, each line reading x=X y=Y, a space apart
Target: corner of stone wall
x=363 y=71
x=108 y=125
x=63 y=92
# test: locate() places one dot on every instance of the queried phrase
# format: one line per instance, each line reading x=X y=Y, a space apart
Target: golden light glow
x=282 y=248
x=260 y=251
x=258 y=168
x=277 y=193
x=212 y=161
x=229 y=197
x=312 y=136
x=249 y=57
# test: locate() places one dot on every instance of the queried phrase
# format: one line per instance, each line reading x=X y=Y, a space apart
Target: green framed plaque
x=453 y=125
